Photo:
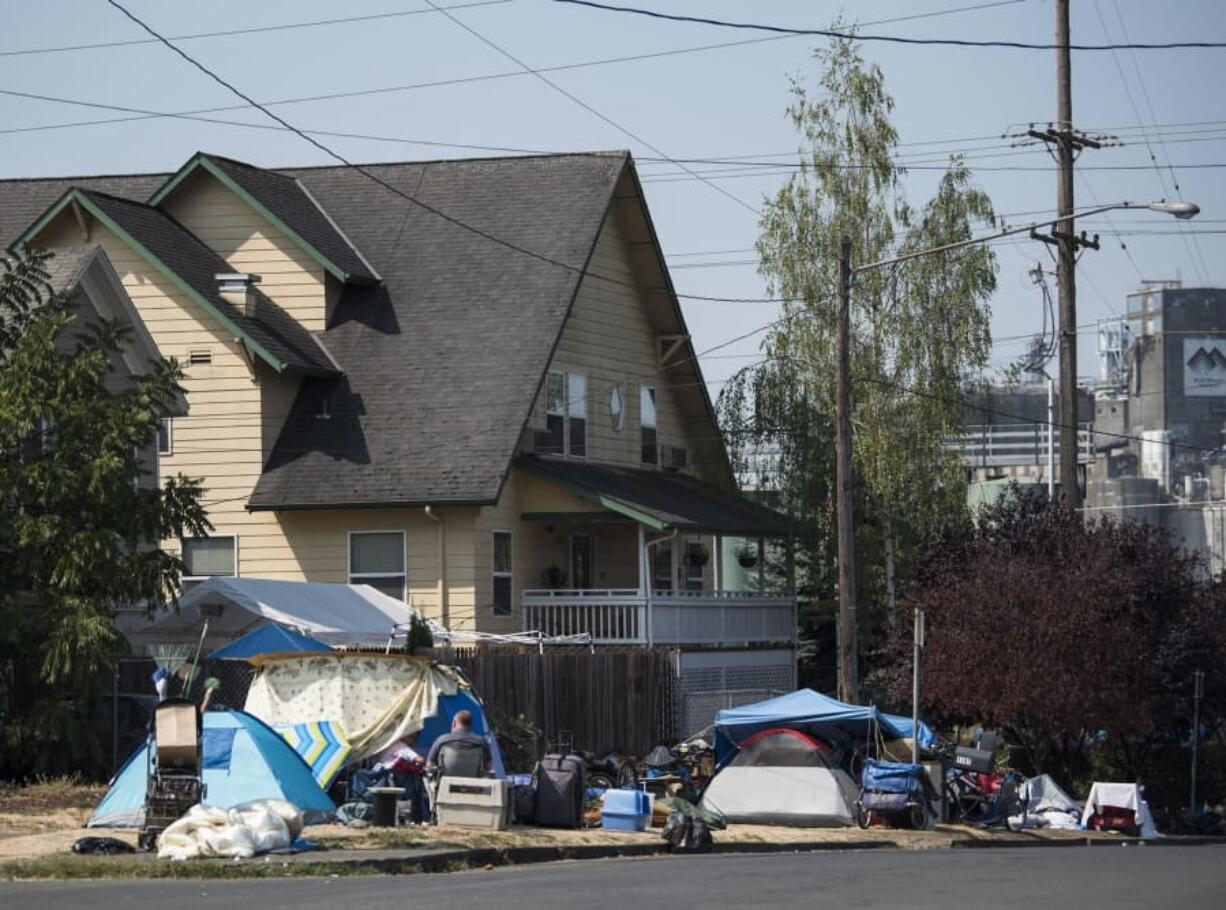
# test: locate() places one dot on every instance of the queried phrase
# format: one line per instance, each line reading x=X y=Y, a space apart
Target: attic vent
x=199 y=358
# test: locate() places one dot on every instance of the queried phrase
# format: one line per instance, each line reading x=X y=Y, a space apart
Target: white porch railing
x=620 y=616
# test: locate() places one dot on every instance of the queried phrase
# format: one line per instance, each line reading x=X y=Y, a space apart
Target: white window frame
x=581 y=404
x=495 y=574
x=617 y=407
x=646 y=391
x=166 y=432
x=182 y=555
x=350 y=575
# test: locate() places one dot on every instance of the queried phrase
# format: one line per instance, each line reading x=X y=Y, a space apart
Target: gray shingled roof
x=673 y=500
x=284 y=196
x=443 y=359
x=180 y=251
x=65 y=267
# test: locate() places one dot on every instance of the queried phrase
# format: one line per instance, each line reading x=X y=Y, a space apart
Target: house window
x=647 y=420
x=208 y=557
x=617 y=407
x=662 y=570
x=696 y=556
x=565 y=415
x=555 y=414
x=577 y=415
x=377 y=558
x=165 y=436
x=502 y=573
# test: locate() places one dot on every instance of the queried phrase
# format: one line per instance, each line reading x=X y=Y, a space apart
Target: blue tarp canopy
x=269 y=638
x=927 y=739
x=810 y=712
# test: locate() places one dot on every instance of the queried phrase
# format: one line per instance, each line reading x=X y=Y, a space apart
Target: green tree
x=79 y=531
x=917 y=328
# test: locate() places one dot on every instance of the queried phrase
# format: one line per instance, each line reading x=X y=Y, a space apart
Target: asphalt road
x=1043 y=878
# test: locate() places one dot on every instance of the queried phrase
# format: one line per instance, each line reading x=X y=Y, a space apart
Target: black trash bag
x=102 y=846
x=685 y=834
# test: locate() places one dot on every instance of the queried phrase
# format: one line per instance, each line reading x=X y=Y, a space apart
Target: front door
x=581 y=561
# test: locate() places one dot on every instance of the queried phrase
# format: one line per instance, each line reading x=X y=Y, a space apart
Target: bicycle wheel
x=864 y=817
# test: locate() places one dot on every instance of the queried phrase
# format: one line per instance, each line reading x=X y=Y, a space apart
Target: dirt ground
x=44 y=819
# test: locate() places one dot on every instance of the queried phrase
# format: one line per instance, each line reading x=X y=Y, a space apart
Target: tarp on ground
x=805 y=710
x=334 y=614
x=322 y=745
x=243 y=759
x=376 y=699
x=269 y=638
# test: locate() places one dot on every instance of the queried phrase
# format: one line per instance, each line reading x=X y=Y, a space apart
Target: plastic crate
x=626 y=810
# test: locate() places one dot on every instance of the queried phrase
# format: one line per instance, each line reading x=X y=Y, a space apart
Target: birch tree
x=917 y=328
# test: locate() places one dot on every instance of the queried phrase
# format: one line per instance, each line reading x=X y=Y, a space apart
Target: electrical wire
x=254 y=30
x=365 y=172
x=587 y=107
x=891 y=39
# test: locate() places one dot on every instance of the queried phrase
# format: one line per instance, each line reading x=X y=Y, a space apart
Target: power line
x=450 y=219
x=1141 y=121
x=583 y=104
x=891 y=39
x=242 y=31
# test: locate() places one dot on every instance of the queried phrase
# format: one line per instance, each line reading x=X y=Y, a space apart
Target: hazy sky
x=715 y=102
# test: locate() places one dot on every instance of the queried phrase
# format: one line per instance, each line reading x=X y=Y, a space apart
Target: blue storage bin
x=626 y=810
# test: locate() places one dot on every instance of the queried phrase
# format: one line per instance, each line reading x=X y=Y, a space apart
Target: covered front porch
x=650 y=557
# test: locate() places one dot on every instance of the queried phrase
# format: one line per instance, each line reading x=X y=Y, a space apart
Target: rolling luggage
x=560 y=788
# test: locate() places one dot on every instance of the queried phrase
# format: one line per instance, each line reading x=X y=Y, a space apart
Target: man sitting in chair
x=460 y=753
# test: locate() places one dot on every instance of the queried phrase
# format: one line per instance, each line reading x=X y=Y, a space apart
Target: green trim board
x=202 y=160
x=600 y=499
x=79 y=197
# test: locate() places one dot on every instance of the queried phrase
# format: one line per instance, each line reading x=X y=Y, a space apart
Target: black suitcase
x=560 y=788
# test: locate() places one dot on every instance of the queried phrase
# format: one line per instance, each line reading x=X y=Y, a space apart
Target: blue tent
x=244 y=759
x=805 y=710
x=439 y=723
x=269 y=638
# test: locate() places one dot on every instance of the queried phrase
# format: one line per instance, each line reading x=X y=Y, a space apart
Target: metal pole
x=1051 y=440
x=848 y=646
x=115 y=720
x=918 y=646
x=1198 y=692
x=1067 y=263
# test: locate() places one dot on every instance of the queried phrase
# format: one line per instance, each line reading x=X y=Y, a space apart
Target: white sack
x=242 y=832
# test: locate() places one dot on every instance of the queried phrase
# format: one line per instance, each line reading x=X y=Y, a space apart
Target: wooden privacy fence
x=612 y=699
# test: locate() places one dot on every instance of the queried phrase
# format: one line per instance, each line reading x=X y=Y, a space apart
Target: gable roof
x=283 y=201
x=273 y=335
x=444 y=357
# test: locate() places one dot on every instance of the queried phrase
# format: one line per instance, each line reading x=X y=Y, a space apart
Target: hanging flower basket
x=699 y=556
x=747 y=558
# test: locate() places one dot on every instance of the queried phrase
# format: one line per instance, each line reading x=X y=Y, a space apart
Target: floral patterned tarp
x=376 y=699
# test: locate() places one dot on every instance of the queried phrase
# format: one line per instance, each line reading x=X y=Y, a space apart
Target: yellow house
x=467 y=383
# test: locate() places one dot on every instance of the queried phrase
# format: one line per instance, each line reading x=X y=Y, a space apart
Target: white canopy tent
x=335 y=614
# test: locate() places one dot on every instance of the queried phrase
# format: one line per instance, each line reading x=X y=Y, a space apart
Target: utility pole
x=917 y=647
x=1198 y=692
x=1068 y=142
x=1066 y=263
x=849 y=686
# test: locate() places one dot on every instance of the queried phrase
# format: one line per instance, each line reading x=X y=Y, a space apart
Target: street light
x=848 y=650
